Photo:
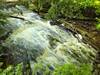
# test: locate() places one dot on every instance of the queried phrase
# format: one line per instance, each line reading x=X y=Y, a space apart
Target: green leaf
x=98 y=26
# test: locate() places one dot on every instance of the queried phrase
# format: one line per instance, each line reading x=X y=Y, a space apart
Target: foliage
x=66 y=8
x=97 y=6
x=3 y=20
x=24 y=3
x=52 y=13
x=40 y=5
x=3 y=17
x=3 y=14
x=40 y=68
x=10 y=70
x=98 y=26
x=70 y=9
x=72 y=69
x=2 y=3
x=66 y=69
x=17 y=70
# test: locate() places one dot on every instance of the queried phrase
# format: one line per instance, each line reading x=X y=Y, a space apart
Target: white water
x=46 y=43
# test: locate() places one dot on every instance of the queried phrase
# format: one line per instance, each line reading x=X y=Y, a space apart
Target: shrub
x=66 y=69
x=72 y=69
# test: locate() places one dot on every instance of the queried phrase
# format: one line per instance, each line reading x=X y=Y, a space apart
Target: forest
x=49 y=37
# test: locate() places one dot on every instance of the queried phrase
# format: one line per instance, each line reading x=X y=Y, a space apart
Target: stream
x=37 y=41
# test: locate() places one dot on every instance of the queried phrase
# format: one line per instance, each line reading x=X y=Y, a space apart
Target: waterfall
x=44 y=43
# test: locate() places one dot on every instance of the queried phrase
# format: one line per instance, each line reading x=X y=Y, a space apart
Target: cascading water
x=36 y=40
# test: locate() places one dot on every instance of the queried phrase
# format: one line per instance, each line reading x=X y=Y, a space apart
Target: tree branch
x=17 y=17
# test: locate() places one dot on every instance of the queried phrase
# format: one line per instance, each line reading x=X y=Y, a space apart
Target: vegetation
x=68 y=8
x=51 y=10
x=55 y=9
x=72 y=69
x=98 y=26
x=66 y=69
